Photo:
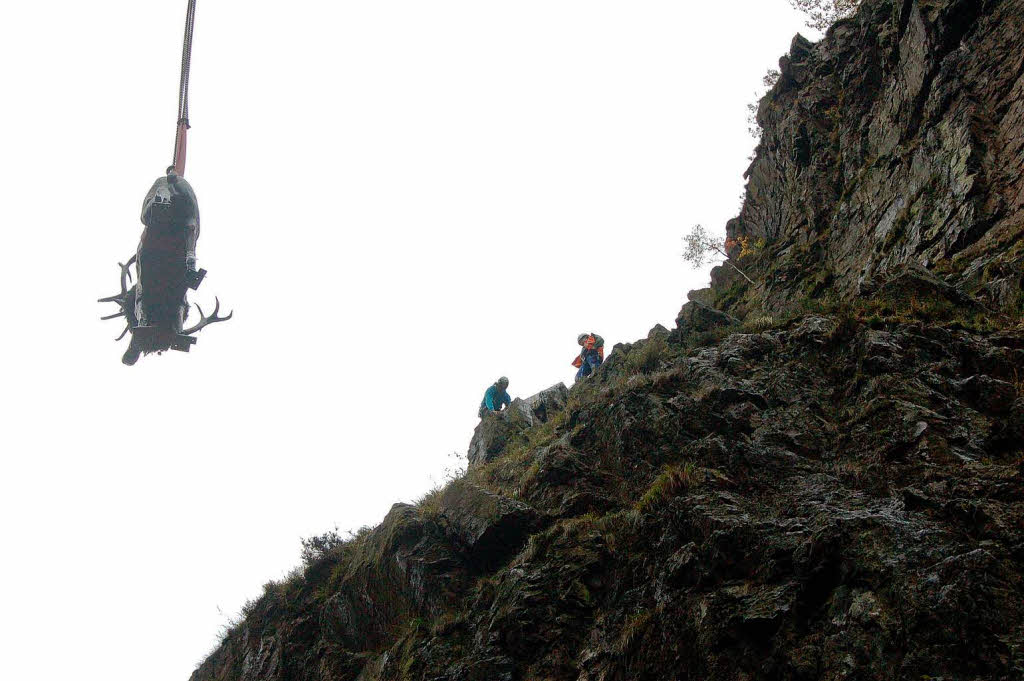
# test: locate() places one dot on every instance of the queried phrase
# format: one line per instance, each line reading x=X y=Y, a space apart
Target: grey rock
x=695 y=317
x=490 y=527
x=545 y=404
x=497 y=429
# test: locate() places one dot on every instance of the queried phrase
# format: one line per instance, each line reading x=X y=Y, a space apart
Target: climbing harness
x=181 y=137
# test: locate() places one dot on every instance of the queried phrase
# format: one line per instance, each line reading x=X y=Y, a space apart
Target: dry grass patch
x=647 y=358
x=759 y=324
x=632 y=631
x=429 y=505
x=673 y=481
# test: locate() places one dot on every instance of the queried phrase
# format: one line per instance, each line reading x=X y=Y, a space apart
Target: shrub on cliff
x=700 y=247
x=823 y=13
x=316 y=548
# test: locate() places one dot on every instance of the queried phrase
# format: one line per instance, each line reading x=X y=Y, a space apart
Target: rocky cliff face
x=898 y=139
x=819 y=476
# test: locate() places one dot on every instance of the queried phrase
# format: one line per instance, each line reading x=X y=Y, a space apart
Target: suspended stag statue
x=156 y=307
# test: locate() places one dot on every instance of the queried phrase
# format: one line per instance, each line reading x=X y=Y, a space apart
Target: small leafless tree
x=823 y=13
x=700 y=247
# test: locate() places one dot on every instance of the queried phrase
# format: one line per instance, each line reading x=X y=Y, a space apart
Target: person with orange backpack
x=591 y=356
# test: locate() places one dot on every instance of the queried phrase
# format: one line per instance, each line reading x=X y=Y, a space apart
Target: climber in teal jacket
x=495 y=398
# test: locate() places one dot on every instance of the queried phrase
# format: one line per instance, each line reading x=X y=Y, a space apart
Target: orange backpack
x=589 y=344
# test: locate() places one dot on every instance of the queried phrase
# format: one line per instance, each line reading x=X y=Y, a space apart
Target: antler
x=122 y=298
x=206 y=321
x=126 y=276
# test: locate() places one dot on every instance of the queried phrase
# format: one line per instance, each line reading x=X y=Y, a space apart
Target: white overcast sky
x=401 y=200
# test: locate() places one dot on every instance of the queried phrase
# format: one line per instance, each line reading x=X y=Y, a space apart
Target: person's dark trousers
x=591 y=360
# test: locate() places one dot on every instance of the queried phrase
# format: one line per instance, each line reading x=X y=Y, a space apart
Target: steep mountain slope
x=817 y=476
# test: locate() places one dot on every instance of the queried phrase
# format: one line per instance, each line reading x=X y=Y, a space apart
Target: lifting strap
x=181 y=137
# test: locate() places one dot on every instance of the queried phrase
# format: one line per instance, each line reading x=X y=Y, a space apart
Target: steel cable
x=186 y=68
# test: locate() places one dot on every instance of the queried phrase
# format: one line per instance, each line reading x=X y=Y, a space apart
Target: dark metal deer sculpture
x=156 y=306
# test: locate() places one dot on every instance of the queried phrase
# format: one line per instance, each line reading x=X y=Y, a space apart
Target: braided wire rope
x=186 y=68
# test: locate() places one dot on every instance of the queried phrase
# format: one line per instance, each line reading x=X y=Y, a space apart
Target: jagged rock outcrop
x=695 y=316
x=496 y=430
x=487 y=526
x=817 y=477
x=897 y=139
